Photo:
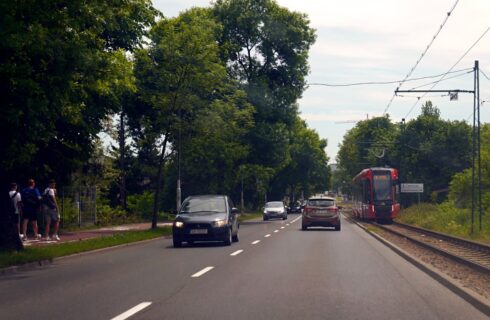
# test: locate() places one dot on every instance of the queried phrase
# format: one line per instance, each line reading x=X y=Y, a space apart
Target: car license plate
x=199 y=231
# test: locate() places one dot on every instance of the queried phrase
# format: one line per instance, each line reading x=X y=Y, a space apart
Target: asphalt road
x=282 y=273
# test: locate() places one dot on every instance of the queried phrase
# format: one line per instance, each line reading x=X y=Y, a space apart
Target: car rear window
x=276 y=204
x=321 y=202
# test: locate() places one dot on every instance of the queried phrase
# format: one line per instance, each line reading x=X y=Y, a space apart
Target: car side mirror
x=235 y=210
x=340 y=207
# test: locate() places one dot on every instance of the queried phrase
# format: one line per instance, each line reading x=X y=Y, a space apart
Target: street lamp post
x=179 y=191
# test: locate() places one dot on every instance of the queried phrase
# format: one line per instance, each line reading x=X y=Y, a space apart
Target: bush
x=108 y=215
x=141 y=205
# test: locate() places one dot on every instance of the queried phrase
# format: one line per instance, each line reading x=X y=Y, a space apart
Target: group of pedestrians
x=29 y=202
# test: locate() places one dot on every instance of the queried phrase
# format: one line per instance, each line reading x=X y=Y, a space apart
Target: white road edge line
x=267 y=235
x=256 y=241
x=236 y=253
x=132 y=311
x=203 y=271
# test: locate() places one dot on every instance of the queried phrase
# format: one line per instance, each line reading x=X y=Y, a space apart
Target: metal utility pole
x=477 y=97
x=476 y=158
x=241 y=193
x=179 y=191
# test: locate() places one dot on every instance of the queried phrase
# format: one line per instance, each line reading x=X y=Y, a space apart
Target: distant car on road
x=322 y=212
x=295 y=208
x=206 y=218
x=275 y=209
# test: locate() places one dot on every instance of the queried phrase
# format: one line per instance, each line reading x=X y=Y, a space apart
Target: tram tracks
x=469 y=253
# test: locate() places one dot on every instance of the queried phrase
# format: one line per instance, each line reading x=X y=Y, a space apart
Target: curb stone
x=476 y=300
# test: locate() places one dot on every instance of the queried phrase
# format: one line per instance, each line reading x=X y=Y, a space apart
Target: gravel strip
x=469 y=278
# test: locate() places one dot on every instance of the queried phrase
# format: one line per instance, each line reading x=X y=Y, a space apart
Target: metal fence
x=78 y=205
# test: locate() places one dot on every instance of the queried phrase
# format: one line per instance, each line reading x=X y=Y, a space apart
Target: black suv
x=206 y=218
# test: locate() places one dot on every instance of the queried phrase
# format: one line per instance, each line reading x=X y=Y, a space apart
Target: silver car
x=275 y=209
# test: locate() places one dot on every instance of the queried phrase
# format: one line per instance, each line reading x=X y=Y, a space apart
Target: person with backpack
x=31 y=200
x=51 y=211
x=15 y=206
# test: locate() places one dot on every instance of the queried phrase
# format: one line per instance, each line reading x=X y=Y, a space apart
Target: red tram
x=375 y=194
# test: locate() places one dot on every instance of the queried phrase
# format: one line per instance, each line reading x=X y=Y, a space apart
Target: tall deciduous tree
x=432 y=150
x=186 y=94
x=266 y=49
x=55 y=68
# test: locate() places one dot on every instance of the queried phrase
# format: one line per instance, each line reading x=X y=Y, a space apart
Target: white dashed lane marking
x=203 y=271
x=236 y=253
x=132 y=311
x=267 y=235
x=256 y=241
x=276 y=230
x=282 y=227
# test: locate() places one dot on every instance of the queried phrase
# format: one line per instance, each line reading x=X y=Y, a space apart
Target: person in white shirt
x=51 y=211
x=17 y=202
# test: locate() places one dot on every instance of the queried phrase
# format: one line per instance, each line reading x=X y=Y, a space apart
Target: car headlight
x=220 y=223
x=265 y=211
x=179 y=224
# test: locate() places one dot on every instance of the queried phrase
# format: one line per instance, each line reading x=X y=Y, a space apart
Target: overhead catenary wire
x=380 y=82
x=446 y=18
x=450 y=69
x=484 y=74
x=456 y=76
x=481 y=104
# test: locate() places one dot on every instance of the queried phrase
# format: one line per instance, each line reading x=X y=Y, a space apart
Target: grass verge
x=249 y=216
x=447 y=219
x=33 y=254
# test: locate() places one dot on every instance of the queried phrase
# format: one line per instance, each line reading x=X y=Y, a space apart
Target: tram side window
x=366 y=191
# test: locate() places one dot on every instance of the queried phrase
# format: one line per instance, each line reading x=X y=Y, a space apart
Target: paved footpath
x=77 y=235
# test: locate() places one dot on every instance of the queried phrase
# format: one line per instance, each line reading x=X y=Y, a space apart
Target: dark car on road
x=321 y=212
x=275 y=209
x=206 y=218
x=296 y=207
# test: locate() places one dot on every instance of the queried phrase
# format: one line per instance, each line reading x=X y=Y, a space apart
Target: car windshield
x=321 y=202
x=197 y=205
x=382 y=186
x=276 y=204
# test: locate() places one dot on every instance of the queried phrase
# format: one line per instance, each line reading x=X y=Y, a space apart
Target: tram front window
x=382 y=187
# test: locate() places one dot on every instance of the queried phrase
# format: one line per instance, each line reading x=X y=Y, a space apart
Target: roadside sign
x=412 y=187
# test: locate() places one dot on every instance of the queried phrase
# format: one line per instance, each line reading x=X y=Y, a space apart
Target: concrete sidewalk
x=74 y=235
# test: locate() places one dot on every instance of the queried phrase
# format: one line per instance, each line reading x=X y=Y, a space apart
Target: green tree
x=431 y=150
x=265 y=47
x=460 y=189
x=56 y=78
x=186 y=96
x=370 y=143
x=307 y=171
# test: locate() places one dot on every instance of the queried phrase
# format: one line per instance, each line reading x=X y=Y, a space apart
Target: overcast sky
x=381 y=40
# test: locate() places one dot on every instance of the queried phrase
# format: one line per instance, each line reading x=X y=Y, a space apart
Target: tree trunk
x=9 y=238
x=159 y=182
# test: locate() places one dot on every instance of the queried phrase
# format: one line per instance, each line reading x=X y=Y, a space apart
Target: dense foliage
x=58 y=72
x=212 y=94
x=426 y=150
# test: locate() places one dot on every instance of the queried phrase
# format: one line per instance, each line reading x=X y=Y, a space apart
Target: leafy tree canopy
x=57 y=65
